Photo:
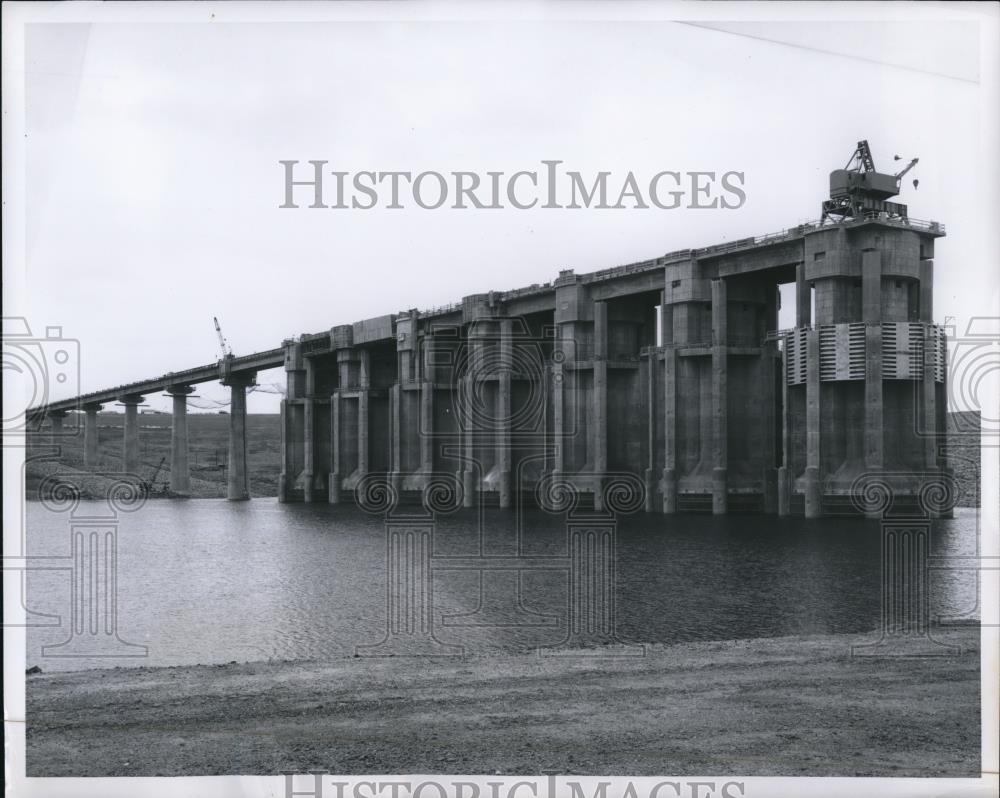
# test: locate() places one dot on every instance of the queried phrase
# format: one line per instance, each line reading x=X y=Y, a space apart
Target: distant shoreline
x=209 y=442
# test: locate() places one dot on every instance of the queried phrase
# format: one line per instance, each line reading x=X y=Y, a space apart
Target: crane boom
x=909 y=166
x=858 y=191
x=223 y=344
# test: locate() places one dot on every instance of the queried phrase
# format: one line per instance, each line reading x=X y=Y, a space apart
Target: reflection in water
x=207 y=581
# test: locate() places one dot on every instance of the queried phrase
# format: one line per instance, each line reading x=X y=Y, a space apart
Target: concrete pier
x=813 y=495
x=504 y=410
x=130 y=444
x=336 y=476
x=600 y=396
x=91 y=435
x=720 y=398
x=874 y=432
x=56 y=418
x=237 y=475
x=180 y=469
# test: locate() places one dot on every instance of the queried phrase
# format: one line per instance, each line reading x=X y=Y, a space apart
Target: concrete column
x=784 y=476
x=558 y=378
x=309 y=431
x=600 y=431
x=130 y=449
x=927 y=291
x=504 y=412
x=91 y=435
x=874 y=436
x=720 y=410
x=427 y=406
x=363 y=432
x=238 y=476
x=813 y=488
x=363 y=395
x=467 y=474
x=284 y=478
x=180 y=471
x=670 y=364
x=395 y=413
x=650 y=480
x=472 y=466
x=308 y=449
x=56 y=425
x=929 y=390
x=803 y=298
x=871 y=286
x=666 y=321
x=769 y=354
x=333 y=487
x=427 y=427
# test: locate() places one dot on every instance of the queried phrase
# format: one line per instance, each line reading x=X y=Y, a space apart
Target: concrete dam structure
x=666 y=383
x=671 y=371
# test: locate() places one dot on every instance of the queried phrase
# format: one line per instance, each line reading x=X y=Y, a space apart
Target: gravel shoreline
x=765 y=707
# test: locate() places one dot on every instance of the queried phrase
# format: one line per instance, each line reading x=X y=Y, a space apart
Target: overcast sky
x=154 y=183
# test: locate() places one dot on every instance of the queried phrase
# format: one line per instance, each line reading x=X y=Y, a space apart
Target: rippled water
x=208 y=581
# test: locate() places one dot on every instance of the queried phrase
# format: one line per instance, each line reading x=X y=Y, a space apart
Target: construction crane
x=859 y=191
x=223 y=344
x=909 y=166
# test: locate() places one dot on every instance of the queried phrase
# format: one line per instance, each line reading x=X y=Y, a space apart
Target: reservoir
x=205 y=581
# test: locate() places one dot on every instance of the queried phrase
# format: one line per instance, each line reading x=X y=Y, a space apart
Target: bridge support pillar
x=56 y=425
x=180 y=471
x=720 y=409
x=237 y=475
x=91 y=435
x=130 y=449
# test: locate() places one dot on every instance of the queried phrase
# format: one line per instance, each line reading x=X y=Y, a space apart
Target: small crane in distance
x=226 y=350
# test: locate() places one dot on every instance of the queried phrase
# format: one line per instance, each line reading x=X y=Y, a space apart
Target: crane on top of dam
x=224 y=347
x=859 y=191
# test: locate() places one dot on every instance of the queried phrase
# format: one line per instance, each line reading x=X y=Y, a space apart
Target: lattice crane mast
x=223 y=344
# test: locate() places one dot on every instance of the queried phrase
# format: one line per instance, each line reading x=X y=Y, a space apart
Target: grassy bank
x=208 y=447
x=784 y=706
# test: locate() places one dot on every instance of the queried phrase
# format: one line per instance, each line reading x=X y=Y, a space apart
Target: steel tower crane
x=859 y=191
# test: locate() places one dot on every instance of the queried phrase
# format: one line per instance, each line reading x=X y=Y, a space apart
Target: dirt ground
x=784 y=706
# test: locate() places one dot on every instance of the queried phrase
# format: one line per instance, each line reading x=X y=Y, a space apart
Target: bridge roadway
x=235 y=372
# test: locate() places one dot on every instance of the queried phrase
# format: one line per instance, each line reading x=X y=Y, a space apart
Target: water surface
x=209 y=581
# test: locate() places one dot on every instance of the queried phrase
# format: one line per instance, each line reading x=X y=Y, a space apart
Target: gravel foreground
x=793 y=706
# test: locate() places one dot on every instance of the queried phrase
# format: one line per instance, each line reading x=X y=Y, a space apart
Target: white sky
x=153 y=177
